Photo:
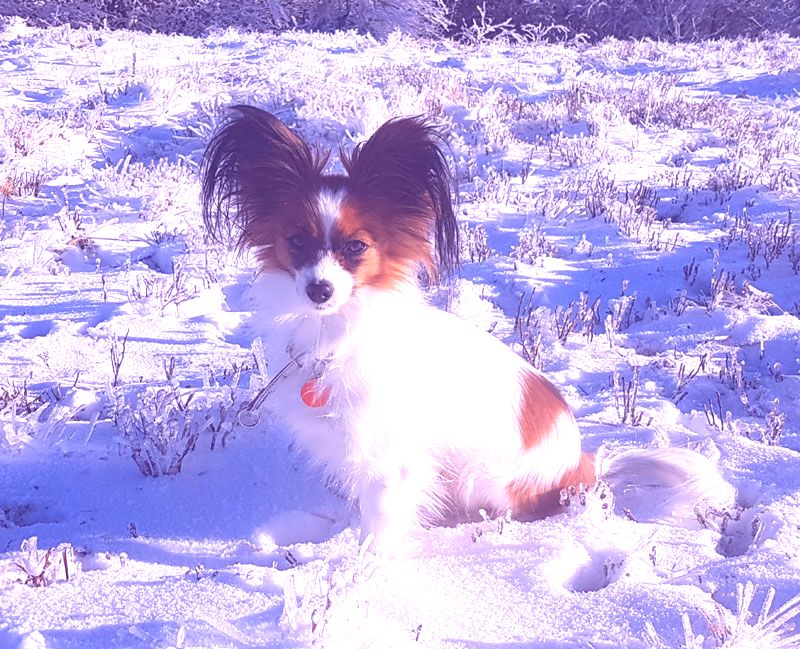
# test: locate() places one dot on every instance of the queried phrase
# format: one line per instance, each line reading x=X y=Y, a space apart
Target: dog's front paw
x=389 y=519
x=392 y=544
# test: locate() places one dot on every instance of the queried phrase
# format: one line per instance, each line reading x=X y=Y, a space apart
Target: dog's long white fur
x=664 y=484
x=423 y=418
x=414 y=412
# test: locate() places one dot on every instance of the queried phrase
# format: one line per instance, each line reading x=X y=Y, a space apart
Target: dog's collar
x=312 y=392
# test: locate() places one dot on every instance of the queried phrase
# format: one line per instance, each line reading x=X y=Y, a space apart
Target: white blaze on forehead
x=327 y=268
x=329 y=206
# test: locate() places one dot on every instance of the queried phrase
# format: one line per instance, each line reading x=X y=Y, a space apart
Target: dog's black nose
x=319 y=292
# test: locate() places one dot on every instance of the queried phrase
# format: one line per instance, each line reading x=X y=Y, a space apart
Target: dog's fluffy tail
x=664 y=484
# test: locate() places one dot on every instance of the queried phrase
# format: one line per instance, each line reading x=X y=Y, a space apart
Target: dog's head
x=375 y=226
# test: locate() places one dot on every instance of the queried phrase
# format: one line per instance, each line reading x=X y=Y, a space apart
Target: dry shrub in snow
x=474 y=243
x=40 y=569
x=162 y=425
x=772 y=627
x=532 y=245
x=17 y=407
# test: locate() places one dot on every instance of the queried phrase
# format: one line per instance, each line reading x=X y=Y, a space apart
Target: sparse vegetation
x=626 y=394
x=529 y=326
x=170 y=291
x=533 y=245
x=473 y=22
x=474 y=243
x=625 y=187
x=40 y=569
x=772 y=629
x=163 y=424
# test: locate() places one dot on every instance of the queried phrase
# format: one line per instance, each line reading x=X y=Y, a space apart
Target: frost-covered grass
x=628 y=224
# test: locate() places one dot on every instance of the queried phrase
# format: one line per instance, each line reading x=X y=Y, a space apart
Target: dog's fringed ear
x=402 y=166
x=252 y=169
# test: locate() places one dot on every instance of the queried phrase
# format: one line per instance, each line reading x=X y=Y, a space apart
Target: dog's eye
x=354 y=247
x=298 y=241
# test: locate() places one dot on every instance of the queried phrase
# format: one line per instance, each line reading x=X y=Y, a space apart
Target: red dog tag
x=314 y=395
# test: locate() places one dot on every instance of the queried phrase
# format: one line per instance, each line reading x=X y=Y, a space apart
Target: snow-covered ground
x=628 y=226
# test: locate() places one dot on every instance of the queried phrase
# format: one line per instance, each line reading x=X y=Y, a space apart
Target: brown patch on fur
x=259 y=176
x=400 y=178
x=270 y=238
x=392 y=252
x=542 y=405
x=529 y=502
x=260 y=179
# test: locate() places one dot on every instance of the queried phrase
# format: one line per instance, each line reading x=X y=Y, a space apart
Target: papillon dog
x=415 y=413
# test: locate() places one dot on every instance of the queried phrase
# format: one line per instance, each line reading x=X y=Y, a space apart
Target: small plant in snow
x=722 y=289
x=772 y=629
x=625 y=395
x=221 y=401
x=159 y=427
x=727 y=178
x=19 y=410
x=490 y=524
x=531 y=324
x=162 y=425
x=731 y=373
x=308 y=613
x=41 y=569
x=172 y=290
x=29 y=183
x=766 y=241
x=474 y=243
x=600 y=192
x=117 y=352
x=659 y=240
x=620 y=314
x=495 y=188
x=160 y=236
x=582 y=316
x=575 y=151
x=686 y=376
x=677 y=305
x=690 y=271
x=16 y=397
x=738 y=229
x=6 y=189
x=70 y=221
x=565 y=321
x=532 y=245
x=776 y=421
x=483 y=28
x=493 y=128
x=584 y=246
x=716 y=416
x=770 y=239
x=634 y=211
x=551 y=203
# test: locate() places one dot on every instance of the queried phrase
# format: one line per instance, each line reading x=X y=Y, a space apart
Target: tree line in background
x=589 y=20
